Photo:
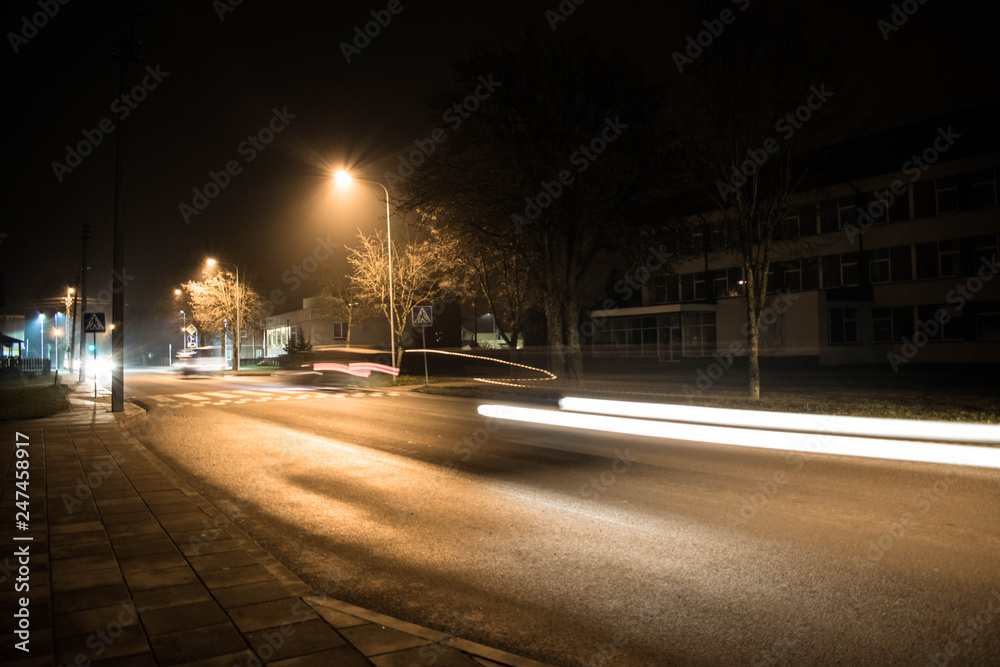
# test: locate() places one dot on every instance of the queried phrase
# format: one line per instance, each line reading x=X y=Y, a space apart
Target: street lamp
x=41 y=336
x=343 y=178
x=239 y=331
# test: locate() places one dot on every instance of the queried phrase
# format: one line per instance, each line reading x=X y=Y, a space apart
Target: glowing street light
x=239 y=332
x=341 y=177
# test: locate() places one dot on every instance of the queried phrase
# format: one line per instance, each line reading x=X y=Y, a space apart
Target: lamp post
x=41 y=337
x=184 y=333
x=342 y=177
x=238 y=332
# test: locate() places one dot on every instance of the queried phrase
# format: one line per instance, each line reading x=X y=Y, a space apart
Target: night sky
x=226 y=76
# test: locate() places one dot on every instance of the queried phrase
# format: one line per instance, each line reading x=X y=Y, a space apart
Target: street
x=576 y=547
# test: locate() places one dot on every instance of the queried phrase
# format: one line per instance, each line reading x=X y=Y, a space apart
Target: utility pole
x=84 y=236
x=125 y=55
x=72 y=328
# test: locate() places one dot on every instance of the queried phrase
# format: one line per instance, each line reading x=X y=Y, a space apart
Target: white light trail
x=819 y=443
x=787 y=421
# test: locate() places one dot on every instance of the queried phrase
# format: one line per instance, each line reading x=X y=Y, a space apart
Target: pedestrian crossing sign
x=423 y=316
x=93 y=322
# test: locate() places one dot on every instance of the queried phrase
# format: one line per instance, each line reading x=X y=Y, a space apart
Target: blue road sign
x=423 y=316
x=93 y=322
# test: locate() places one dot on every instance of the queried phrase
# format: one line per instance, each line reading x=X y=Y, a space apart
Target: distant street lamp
x=343 y=178
x=238 y=333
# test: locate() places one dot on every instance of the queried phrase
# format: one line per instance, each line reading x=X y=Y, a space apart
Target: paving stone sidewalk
x=128 y=565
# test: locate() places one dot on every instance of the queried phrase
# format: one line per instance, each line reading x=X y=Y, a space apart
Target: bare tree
x=751 y=112
x=562 y=162
x=422 y=272
x=345 y=301
x=214 y=305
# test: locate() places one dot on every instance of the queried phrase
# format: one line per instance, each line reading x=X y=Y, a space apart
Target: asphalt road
x=572 y=547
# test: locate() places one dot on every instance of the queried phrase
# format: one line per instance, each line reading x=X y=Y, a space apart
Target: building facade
x=896 y=267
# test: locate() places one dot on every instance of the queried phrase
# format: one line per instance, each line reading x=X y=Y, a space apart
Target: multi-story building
x=891 y=260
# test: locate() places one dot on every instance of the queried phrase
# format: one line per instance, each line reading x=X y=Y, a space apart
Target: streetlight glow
x=342 y=177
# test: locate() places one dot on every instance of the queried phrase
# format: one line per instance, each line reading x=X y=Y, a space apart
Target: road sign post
x=423 y=317
x=94 y=324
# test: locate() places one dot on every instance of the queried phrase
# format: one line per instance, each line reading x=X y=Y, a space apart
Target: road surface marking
x=192 y=397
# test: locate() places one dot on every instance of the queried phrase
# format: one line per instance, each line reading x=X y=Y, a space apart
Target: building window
x=698 y=238
x=946 y=191
x=807 y=219
x=631 y=336
x=843 y=326
x=927 y=321
x=791 y=276
x=840 y=270
x=924 y=205
x=340 y=329
x=988 y=321
x=985 y=249
x=879 y=266
x=889 y=325
x=887 y=208
x=938 y=260
x=717 y=236
x=727 y=282
x=790 y=227
x=836 y=214
x=890 y=265
x=699 y=334
x=983 y=189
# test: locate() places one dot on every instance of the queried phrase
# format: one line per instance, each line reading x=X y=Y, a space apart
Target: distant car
x=206 y=359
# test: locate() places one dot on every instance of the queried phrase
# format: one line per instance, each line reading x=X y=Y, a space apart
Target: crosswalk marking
x=244 y=396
